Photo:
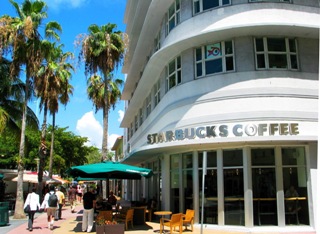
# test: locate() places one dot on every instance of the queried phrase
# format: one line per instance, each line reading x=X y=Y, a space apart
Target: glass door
x=264 y=186
x=295 y=186
x=233 y=187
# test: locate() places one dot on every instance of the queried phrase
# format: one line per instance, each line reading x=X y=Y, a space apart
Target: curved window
x=173 y=73
x=288 y=1
x=202 y=5
x=214 y=58
x=173 y=16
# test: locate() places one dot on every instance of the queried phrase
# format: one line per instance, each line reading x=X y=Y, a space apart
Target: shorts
x=51 y=211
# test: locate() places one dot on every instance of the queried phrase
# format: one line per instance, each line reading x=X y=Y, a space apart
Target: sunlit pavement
x=71 y=223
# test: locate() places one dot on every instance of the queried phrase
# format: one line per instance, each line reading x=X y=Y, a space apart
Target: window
x=276 y=53
x=173 y=16
x=289 y=1
x=173 y=73
x=157 y=43
x=148 y=105
x=214 y=58
x=136 y=123
x=141 y=116
x=202 y=5
x=157 y=93
x=131 y=129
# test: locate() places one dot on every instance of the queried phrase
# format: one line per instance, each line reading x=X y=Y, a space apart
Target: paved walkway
x=71 y=223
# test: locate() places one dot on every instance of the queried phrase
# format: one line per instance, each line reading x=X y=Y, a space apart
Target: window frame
x=277 y=1
x=140 y=116
x=157 y=43
x=224 y=56
x=177 y=73
x=157 y=97
x=148 y=105
x=266 y=54
x=174 y=17
x=200 y=4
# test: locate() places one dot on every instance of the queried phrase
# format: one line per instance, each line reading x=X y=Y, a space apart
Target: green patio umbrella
x=109 y=170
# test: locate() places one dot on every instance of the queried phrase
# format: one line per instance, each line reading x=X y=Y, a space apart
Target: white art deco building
x=230 y=86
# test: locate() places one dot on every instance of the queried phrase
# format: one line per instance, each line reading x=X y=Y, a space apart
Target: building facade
x=222 y=103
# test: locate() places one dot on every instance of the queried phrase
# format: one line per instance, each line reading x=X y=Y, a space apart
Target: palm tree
x=19 y=36
x=11 y=100
x=96 y=93
x=103 y=50
x=52 y=85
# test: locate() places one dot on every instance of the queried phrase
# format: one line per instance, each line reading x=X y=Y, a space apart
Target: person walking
x=61 y=199
x=89 y=202
x=33 y=200
x=72 y=193
x=50 y=204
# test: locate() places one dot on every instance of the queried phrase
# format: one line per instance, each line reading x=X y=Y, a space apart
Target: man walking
x=89 y=202
x=50 y=204
x=61 y=199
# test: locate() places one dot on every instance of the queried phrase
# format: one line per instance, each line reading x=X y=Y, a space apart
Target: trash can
x=4 y=213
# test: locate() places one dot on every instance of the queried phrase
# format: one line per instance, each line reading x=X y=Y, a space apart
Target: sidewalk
x=71 y=223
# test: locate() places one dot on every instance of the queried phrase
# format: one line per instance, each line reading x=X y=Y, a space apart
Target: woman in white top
x=33 y=200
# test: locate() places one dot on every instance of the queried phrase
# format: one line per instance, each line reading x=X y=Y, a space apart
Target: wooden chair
x=188 y=219
x=128 y=218
x=175 y=221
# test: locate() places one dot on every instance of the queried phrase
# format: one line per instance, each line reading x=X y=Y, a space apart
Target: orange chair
x=128 y=218
x=175 y=221
x=188 y=219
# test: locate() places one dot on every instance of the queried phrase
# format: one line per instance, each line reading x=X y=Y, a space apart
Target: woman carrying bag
x=33 y=201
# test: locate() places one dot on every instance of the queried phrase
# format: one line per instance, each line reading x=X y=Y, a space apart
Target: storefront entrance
x=274 y=179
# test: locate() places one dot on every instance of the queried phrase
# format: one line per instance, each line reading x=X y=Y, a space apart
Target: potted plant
x=106 y=226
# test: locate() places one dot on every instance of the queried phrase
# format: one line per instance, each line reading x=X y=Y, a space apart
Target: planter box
x=110 y=229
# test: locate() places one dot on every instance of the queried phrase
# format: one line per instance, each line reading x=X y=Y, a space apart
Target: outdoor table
x=162 y=214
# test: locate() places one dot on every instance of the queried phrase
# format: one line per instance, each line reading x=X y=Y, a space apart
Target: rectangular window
x=148 y=105
x=276 y=53
x=203 y=5
x=173 y=73
x=173 y=16
x=156 y=93
x=287 y=1
x=136 y=123
x=131 y=129
x=140 y=116
x=214 y=58
x=157 y=43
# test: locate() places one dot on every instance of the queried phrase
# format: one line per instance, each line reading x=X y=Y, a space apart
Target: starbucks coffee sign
x=215 y=131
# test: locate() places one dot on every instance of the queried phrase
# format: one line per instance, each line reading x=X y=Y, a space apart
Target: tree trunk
x=52 y=143
x=42 y=151
x=18 y=211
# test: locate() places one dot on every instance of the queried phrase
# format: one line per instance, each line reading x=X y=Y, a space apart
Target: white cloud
x=89 y=127
x=56 y=4
x=121 y=114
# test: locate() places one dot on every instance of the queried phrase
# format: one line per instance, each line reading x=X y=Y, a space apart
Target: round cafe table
x=162 y=213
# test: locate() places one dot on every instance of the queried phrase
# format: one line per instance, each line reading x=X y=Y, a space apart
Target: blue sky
x=75 y=16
